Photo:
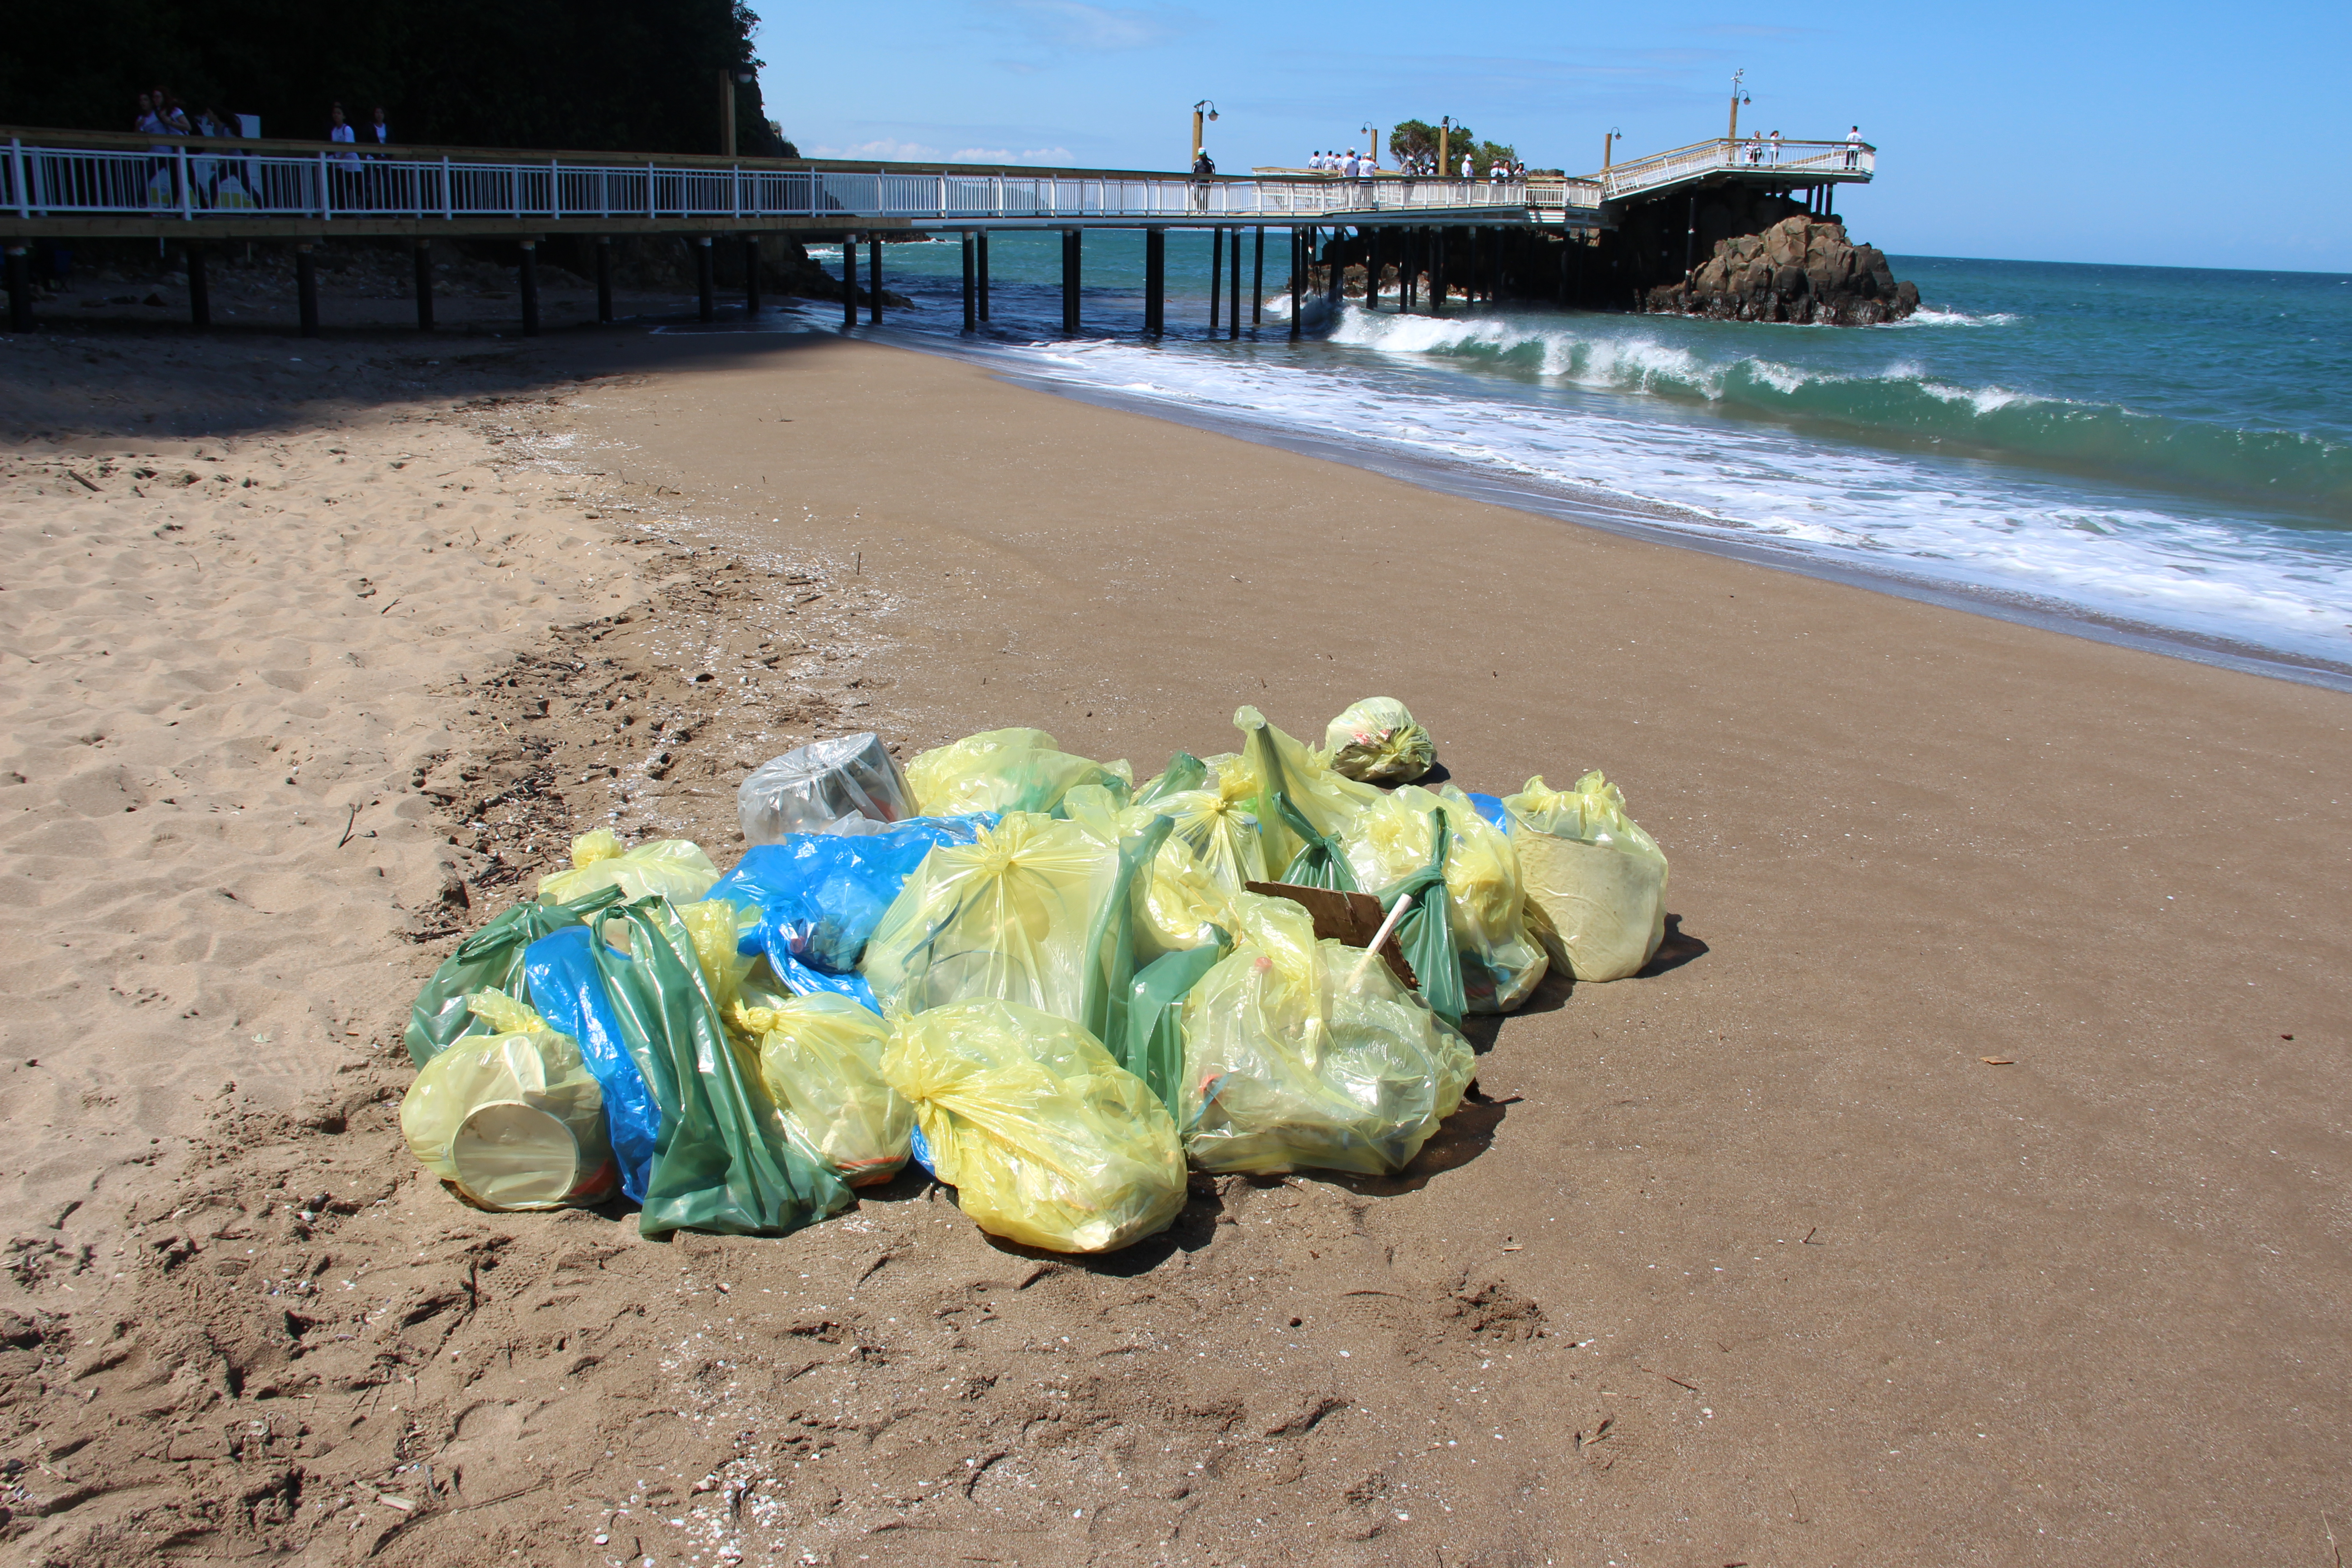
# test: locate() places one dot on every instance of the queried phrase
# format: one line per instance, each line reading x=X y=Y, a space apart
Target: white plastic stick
x=1379 y=939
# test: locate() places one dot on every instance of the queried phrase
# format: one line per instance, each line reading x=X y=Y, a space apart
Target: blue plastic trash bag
x=1490 y=807
x=568 y=991
x=820 y=896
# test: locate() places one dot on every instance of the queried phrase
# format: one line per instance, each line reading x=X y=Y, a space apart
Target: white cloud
x=1073 y=23
x=886 y=149
x=1058 y=157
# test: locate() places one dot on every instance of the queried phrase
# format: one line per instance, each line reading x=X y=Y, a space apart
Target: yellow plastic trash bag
x=820 y=1058
x=1046 y=1140
x=716 y=930
x=676 y=869
x=1301 y=1054
x=1178 y=903
x=1377 y=741
x=1484 y=894
x=1007 y=771
x=1600 y=880
x=1012 y=915
x=514 y=1119
x=1304 y=809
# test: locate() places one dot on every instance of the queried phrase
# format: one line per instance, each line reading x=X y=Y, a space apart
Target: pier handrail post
x=448 y=194
x=16 y=177
x=651 y=210
x=187 y=194
x=326 y=206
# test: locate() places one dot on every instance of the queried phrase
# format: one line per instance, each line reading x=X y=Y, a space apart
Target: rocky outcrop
x=1800 y=269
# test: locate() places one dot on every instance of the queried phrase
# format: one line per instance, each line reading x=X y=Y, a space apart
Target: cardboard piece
x=1352 y=918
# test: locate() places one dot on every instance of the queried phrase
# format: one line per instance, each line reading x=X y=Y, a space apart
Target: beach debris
x=1375 y=740
x=674 y=868
x=1999 y=1061
x=849 y=783
x=512 y=1120
x=1008 y=965
x=1046 y=1140
x=1005 y=771
x=1597 y=881
x=1298 y=1054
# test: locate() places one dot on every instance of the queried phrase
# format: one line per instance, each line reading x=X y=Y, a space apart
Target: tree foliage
x=617 y=75
x=1418 y=137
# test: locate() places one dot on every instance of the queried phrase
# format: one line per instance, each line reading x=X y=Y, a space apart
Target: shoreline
x=1626 y=516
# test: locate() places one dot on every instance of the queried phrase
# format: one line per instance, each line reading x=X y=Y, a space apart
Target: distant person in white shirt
x=1853 y=148
x=1466 y=172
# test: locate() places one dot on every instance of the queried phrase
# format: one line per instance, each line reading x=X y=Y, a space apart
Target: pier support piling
x=1297 y=280
x=971 y=294
x=981 y=252
x=1258 y=281
x=424 y=256
x=873 y=279
x=1155 y=282
x=604 y=248
x=1437 y=272
x=849 y=282
x=200 y=298
x=752 y=276
x=526 y=275
x=1216 y=275
x=20 y=288
x=1372 y=269
x=704 y=283
x=306 y=289
x=1070 y=260
x=1233 y=299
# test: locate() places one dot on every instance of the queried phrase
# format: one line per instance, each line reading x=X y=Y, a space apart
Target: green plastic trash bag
x=1304 y=809
x=1034 y=911
x=1046 y=1140
x=489 y=960
x=1484 y=895
x=1005 y=771
x=724 y=1161
x=1151 y=1046
x=674 y=868
x=512 y=1119
x=1308 y=1054
x=1599 y=880
x=820 y=1058
x=1377 y=741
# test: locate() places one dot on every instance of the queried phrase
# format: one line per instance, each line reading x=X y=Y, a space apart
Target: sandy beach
x=1966 y=1182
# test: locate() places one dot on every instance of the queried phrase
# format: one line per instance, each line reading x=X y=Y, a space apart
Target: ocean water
x=2157 y=449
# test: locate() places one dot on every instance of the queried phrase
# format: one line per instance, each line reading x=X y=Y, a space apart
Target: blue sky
x=2159 y=133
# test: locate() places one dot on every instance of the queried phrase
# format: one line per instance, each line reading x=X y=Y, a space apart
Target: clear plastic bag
x=513 y=1119
x=1485 y=897
x=1006 y=771
x=1046 y=1140
x=675 y=868
x=1308 y=1054
x=836 y=786
x=821 y=1056
x=1376 y=741
x=1034 y=911
x=1598 y=879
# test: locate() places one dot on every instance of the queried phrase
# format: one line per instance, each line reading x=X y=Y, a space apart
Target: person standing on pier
x=1853 y=148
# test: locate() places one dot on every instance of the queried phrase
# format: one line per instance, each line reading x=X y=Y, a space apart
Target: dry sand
x=1753 y=1259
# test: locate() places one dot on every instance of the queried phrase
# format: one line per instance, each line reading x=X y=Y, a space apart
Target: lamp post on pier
x=1198 y=109
x=727 y=80
x=1372 y=143
x=1738 y=97
x=1609 y=147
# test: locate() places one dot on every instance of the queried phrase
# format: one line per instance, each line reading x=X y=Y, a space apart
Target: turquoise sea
x=2161 y=450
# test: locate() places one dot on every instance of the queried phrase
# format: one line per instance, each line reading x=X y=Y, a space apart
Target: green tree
x=639 y=76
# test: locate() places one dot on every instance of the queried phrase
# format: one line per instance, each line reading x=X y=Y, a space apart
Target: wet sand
x=1753 y=1259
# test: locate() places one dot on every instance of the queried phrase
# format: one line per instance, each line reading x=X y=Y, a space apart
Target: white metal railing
x=1831 y=160
x=212 y=179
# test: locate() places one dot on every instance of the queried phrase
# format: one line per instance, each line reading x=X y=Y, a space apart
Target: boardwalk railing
x=1827 y=159
x=196 y=179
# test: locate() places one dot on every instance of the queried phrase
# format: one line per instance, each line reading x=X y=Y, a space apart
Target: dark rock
x=1802 y=269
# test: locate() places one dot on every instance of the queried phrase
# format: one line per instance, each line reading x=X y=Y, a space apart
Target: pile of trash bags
x=1054 y=990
